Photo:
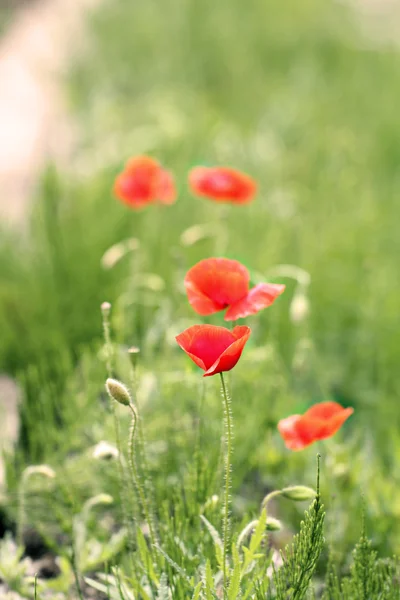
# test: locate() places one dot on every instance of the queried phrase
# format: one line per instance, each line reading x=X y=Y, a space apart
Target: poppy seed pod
x=298 y=493
x=133 y=353
x=105 y=309
x=118 y=392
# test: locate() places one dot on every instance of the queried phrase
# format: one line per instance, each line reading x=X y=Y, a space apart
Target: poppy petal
x=259 y=297
x=324 y=410
x=229 y=357
x=135 y=186
x=321 y=421
x=288 y=430
x=222 y=184
x=127 y=190
x=215 y=283
x=165 y=190
x=320 y=429
x=205 y=343
x=201 y=303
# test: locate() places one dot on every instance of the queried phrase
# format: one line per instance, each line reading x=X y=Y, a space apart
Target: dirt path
x=33 y=121
x=34 y=125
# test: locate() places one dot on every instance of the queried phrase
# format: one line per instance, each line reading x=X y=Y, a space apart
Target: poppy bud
x=298 y=493
x=299 y=307
x=44 y=470
x=273 y=524
x=104 y=450
x=105 y=309
x=134 y=352
x=118 y=392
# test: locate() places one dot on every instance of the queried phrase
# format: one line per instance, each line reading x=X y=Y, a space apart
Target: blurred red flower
x=214 y=349
x=319 y=422
x=214 y=284
x=222 y=184
x=144 y=181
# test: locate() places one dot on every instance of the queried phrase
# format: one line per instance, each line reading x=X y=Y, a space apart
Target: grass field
x=298 y=98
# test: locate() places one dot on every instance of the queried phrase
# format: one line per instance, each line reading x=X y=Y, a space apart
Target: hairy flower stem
x=141 y=440
x=199 y=435
x=21 y=512
x=76 y=572
x=136 y=479
x=109 y=356
x=269 y=497
x=228 y=479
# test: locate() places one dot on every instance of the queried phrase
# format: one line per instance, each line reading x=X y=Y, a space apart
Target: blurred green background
x=299 y=97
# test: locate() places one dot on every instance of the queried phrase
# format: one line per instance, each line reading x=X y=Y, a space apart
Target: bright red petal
x=288 y=430
x=323 y=427
x=135 y=186
x=222 y=184
x=320 y=422
x=205 y=343
x=215 y=283
x=229 y=357
x=127 y=190
x=259 y=297
x=166 y=191
x=324 y=410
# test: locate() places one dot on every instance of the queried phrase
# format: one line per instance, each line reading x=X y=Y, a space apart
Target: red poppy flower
x=214 y=349
x=144 y=181
x=222 y=184
x=214 y=284
x=319 y=422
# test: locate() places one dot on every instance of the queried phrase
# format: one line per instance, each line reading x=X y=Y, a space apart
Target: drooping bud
x=298 y=493
x=100 y=499
x=104 y=451
x=118 y=392
x=44 y=470
x=273 y=524
x=114 y=254
x=299 y=307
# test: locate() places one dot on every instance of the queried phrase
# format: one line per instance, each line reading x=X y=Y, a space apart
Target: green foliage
x=370 y=577
x=292 y=580
x=288 y=94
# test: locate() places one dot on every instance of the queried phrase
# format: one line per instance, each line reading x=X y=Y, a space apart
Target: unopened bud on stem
x=118 y=392
x=298 y=493
x=273 y=524
x=105 y=309
x=134 y=352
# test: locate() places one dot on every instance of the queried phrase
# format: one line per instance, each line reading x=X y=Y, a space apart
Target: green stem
x=141 y=443
x=109 y=368
x=228 y=479
x=21 y=512
x=199 y=436
x=269 y=497
x=75 y=571
x=136 y=478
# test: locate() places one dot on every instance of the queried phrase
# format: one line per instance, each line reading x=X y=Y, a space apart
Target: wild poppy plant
x=214 y=349
x=222 y=184
x=319 y=422
x=214 y=284
x=144 y=181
